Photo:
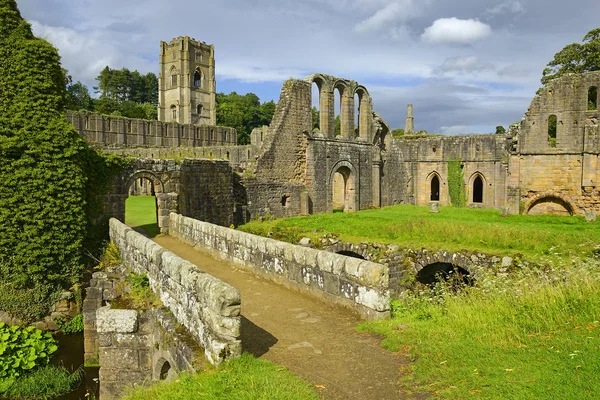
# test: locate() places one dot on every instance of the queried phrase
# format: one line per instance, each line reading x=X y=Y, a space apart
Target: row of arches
x=340 y=108
x=476 y=185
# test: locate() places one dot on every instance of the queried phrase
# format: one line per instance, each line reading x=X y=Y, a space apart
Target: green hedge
x=456 y=183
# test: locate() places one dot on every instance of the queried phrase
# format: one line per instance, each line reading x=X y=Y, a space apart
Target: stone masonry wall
x=360 y=285
x=110 y=131
x=207 y=307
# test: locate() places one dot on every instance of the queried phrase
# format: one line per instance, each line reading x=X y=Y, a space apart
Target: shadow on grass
x=148 y=230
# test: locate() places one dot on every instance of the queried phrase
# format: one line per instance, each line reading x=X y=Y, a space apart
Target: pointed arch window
x=197 y=79
x=435 y=188
x=174 y=112
x=478 y=190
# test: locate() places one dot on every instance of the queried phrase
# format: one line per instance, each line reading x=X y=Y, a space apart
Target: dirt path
x=315 y=340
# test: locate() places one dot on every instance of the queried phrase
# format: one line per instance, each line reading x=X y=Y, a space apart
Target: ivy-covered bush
x=47 y=202
x=22 y=349
x=456 y=183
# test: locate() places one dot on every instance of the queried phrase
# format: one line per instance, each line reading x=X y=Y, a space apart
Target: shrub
x=22 y=349
x=70 y=326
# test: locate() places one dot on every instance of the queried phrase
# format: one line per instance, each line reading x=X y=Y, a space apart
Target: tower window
x=174 y=112
x=199 y=109
x=197 y=79
x=174 y=80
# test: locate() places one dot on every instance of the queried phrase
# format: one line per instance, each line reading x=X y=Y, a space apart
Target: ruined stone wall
x=411 y=163
x=207 y=191
x=207 y=307
x=324 y=158
x=359 y=285
x=238 y=156
x=107 y=131
x=283 y=158
x=562 y=177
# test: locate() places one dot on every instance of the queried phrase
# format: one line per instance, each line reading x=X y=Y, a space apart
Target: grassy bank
x=140 y=212
x=246 y=378
x=529 y=335
x=452 y=229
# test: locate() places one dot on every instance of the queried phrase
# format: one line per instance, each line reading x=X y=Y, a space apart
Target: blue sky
x=466 y=65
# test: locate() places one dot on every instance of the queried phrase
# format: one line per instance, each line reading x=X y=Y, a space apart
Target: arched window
x=174 y=78
x=199 y=109
x=435 y=188
x=478 y=190
x=592 y=104
x=197 y=79
x=174 y=112
x=552 y=130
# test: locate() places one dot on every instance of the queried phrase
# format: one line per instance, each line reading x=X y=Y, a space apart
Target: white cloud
x=378 y=20
x=508 y=7
x=454 y=30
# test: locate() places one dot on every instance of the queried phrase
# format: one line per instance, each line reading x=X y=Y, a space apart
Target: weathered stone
x=506 y=262
x=121 y=321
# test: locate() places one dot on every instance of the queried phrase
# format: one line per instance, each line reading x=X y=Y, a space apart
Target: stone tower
x=186 y=82
x=409 y=129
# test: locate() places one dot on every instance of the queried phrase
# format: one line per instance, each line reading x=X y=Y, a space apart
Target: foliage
x=552 y=130
x=316 y=118
x=456 y=183
x=70 y=326
x=539 y=237
x=575 y=58
x=135 y=292
x=338 y=125
x=398 y=133
x=124 y=85
x=78 y=95
x=140 y=214
x=43 y=383
x=22 y=349
x=500 y=130
x=111 y=257
x=523 y=334
x=244 y=113
x=593 y=99
x=246 y=378
x=42 y=193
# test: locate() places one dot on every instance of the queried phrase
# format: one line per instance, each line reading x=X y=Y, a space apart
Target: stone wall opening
x=552 y=128
x=478 y=189
x=165 y=371
x=337 y=108
x=349 y=253
x=343 y=190
x=443 y=271
x=550 y=205
x=435 y=188
x=592 y=103
x=141 y=206
x=356 y=115
x=316 y=106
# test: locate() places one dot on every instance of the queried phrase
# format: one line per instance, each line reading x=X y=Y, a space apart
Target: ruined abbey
x=547 y=163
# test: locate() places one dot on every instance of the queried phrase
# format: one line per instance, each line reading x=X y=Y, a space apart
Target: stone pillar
x=365 y=118
x=410 y=121
x=166 y=204
x=327 y=117
x=376 y=176
x=347 y=116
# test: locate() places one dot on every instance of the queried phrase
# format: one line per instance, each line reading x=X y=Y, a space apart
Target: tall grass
x=453 y=229
x=528 y=335
x=246 y=378
x=43 y=383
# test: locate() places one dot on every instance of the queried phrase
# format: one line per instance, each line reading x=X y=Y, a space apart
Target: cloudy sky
x=466 y=65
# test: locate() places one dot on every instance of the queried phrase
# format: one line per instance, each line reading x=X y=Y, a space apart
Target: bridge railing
x=208 y=307
x=360 y=285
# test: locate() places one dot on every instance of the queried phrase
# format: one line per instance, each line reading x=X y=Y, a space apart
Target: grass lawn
x=246 y=378
x=528 y=336
x=452 y=229
x=140 y=212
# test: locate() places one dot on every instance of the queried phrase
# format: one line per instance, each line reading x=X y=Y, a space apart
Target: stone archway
x=550 y=203
x=342 y=187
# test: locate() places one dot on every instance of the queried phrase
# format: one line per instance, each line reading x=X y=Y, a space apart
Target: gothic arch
x=434 y=190
x=477 y=185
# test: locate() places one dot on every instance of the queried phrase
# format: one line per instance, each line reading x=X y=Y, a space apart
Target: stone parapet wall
x=115 y=132
x=206 y=306
x=360 y=285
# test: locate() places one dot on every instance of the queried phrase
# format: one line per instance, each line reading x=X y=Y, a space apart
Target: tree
x=575 y=58
x=397 y=133
x=500 y=130
x=244 y=113
x=316 y=118
x=78 y=97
